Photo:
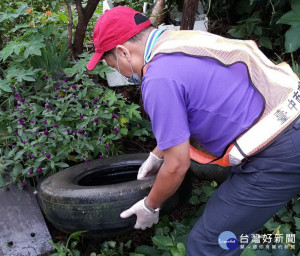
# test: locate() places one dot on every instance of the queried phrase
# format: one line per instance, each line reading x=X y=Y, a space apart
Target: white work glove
x=145 y=218
x=150 y=166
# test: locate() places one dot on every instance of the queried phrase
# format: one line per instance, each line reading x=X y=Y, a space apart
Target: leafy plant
x=48 y=126
x=67 y=249
x=292 y=18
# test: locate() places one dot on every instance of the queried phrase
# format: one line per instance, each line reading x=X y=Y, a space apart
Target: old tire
x=91 y=196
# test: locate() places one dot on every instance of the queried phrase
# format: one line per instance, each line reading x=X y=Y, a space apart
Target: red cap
x=115 y=27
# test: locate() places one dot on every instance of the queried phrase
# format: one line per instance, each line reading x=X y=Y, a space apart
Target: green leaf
x=5 y=86
x=296 y=207
x=33 y=47
x=62 y=165
x=292 y=18
x=63 y=17
x=237 y=32
x=19 y=154
x=10 y=48
x=271 y=225
x=147 y=250
x=22 y=74
x=265 y=42
x=162 y=242
x=194 y=200
x=292 y=39
x=181 y=248
x=208 y=190
x=285 y=229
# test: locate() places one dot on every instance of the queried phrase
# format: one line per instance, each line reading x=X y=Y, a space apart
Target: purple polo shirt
x=188 y=96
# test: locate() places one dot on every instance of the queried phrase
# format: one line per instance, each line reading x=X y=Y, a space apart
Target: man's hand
x=150 y=166
x=145 y=218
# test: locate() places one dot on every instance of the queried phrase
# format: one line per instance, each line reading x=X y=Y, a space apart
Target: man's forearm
x=166 y=183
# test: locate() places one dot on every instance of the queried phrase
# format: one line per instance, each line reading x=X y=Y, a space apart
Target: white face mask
x=134 y=79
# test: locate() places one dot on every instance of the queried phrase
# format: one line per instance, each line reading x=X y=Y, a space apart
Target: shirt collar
x=155 y=33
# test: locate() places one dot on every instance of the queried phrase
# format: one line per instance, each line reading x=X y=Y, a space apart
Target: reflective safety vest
x=278 y=84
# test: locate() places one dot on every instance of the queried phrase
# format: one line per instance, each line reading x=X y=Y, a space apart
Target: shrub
x=48 y=126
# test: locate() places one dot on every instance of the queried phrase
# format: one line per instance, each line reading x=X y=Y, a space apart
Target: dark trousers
x=252 y=193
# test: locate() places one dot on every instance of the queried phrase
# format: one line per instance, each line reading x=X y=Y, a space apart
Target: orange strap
x=204 y=158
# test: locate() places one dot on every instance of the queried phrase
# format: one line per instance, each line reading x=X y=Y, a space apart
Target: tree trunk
x=157 y=14
x=70 y=28
x=84 y=16
x=188 y=14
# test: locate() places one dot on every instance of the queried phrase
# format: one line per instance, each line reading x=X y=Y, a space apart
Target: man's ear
x=123 y=52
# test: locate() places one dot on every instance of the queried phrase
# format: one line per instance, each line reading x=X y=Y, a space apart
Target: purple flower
x=32 y=156
x=113 y=116
x=85 y=135
x=32 y=121
x=52 y=138
x=87 y=160
x=52 y=78
x=107 y=101
x=99 y=86
x=68 y=130
x=48 y=155
x=71 y=59
x=46 y=132
x=43 y=152
x=44 y=68
x=34 y=145
x=55 y=125
x=75 y=96
x=106 y=146
x=76 y=60
x=75 y=132
x=86 y=105
x=22 y=99
x=47 y=106
x=16 y=95
x=116 y=131
x=53 y=109
x=44 y=122
x=96 y=119
x=19 y=104
x=94 y=102
x=30 y=171
x=84 y=73
x=81 y=116
x=46 y=77
x=39 y=170
x=24 y=142
x=80 y=131
x=23 y=184
x=100 y=139
x=67 y=89
x=87 y=140
x=100 y=156
x=14 y=88
x=7 y=188
x=66 y=80
x=74 y=86
x=56 y=87
x=55 y=95
x=37 y=132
